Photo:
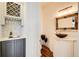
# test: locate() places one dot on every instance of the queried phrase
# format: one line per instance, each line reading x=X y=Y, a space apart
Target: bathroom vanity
x=13 y=47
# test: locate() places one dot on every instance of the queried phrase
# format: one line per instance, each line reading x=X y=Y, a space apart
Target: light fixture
x=65 y=8
x=66 y=11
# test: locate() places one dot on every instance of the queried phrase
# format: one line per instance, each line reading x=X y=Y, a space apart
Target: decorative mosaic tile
x=12 y=25
x=13 y=9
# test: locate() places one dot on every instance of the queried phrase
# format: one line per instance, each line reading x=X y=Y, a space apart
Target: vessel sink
x=61 y=35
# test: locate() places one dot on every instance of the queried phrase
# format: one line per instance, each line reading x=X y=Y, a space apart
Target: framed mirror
x=68 y=22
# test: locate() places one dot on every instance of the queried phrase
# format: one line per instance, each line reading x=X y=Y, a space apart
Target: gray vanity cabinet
x=13 y=48
x=8 y=48
x=19 y=48
x=0 y=49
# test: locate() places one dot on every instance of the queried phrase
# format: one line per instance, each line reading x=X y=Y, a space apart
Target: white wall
x=32 y=29
x=78 y=32
x=61 y=48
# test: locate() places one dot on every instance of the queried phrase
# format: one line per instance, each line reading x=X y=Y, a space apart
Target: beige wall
x=62 y=47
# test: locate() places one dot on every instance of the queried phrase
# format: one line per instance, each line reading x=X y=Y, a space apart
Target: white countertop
x=4 y=39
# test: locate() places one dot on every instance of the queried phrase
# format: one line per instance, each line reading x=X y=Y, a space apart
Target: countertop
x=4 y=39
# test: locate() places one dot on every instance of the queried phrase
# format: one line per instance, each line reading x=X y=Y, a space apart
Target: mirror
x=67 y=22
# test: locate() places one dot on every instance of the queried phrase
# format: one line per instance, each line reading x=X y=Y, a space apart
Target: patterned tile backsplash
x=13 y=9
x=12 y=25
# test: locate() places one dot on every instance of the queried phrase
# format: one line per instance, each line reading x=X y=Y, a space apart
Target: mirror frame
x=69 y=28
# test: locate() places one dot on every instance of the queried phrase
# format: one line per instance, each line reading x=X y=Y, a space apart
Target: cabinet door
x=8 y=48
x=20 y=48
x=0 y=49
